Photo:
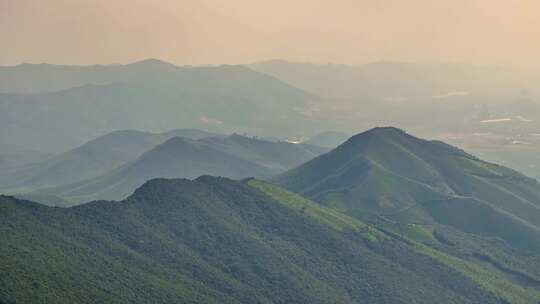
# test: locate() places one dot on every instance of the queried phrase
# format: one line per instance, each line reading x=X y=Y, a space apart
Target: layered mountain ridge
x=82 y=102
x=231 y=156
x=89 y=160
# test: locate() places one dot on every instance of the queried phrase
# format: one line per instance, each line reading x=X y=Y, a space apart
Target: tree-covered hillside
x=214 y=240
x=433 y=193
x=387 y=173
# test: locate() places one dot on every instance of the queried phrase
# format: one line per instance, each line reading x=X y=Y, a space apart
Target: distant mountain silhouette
x=398 y=79
x=69 y=105
x=234 y=156
x=92 y=159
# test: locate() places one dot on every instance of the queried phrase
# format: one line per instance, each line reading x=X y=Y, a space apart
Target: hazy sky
x=504 y=32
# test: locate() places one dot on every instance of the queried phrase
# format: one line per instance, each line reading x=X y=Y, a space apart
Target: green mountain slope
x=431 y=192
x=387 y=170
x=215 y=240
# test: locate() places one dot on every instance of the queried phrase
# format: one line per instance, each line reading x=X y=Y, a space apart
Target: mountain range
x=48 y=109
x=78 y=103
x=101 y=212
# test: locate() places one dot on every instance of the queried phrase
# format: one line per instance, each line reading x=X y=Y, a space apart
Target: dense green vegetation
x=511 y=284
x=386 y=174
x=214 y=240
x=384 y=218
x=465 y=212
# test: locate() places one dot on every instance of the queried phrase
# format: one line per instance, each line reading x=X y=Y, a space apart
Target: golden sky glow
x=504 y=32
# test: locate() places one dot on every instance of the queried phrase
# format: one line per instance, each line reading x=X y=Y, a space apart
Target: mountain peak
x=379 y=133
x=152 y=62
x=174 y=143
x=160 y=185
x=386 y=140
x=388 y=130
x=411 y=180
x=177 y=140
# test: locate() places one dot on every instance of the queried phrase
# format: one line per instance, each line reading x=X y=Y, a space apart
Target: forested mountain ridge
x=432 y=192
x=386 y=170
x=214 y=240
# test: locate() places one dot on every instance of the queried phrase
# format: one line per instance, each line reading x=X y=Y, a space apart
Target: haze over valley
x=492 y=112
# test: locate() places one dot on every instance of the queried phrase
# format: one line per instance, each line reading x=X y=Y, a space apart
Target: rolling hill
x=92 y=159
x=233 y=156
x=214 y=240
x=388 y=176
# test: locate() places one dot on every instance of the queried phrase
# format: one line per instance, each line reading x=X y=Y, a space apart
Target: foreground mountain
x=92 y=159
x=234 y=156
x=215 y=240
x=86 y=102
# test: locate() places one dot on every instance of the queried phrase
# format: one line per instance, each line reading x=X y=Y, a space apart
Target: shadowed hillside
x=232 y=156
x=92 y=159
